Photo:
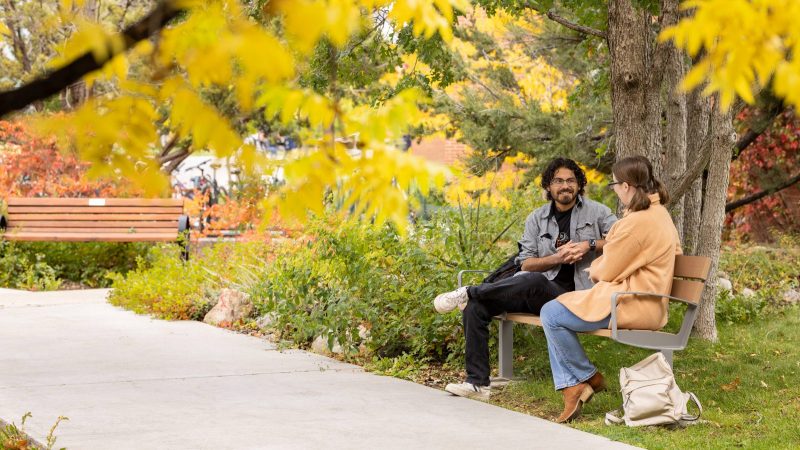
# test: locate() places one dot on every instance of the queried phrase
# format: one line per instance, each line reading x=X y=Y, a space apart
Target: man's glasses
x=560 y=182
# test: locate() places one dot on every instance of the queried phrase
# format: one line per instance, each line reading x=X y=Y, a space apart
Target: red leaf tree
x=769 y=162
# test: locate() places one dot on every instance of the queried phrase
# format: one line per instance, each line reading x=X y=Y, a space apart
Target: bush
x=769 y=271
x=737 y=308
x=19 y=270
x=353 y=275
x=760 y=268
x=86 y=263
x=169 y=288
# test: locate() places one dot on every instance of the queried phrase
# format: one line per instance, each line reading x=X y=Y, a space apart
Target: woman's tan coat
x=639 y=255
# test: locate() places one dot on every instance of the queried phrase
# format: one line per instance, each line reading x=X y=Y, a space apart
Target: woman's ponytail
x=638 y=173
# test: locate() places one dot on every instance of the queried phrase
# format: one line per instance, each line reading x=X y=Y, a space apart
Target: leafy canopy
x=744 y=46
x=217 y=44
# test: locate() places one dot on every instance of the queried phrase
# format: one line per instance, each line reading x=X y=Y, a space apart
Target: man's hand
x=572 y=252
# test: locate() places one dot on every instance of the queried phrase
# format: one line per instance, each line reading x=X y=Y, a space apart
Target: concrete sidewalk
x=131 y=382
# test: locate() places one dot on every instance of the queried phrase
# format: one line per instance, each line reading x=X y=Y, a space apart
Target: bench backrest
x=75 y=216
x=691 y=273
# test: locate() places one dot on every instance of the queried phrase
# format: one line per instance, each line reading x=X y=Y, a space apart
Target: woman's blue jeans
x=568 y=361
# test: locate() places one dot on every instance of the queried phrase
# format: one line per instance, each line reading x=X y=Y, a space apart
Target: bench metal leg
x=506 y=348
x=668 y=356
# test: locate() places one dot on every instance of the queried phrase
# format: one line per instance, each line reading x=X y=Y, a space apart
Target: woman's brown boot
x=597 y=382
x=574 y=398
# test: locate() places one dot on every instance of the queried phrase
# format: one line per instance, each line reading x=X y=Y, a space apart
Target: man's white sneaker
x=469 y=390
x=450 y=300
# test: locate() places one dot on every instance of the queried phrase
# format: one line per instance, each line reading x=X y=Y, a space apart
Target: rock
x=724 y=284
x=231 y=307
x=792 y=296
x=363 y=332
x=265 y=322
x=320 y=345
x=748 y=293
x=723 y=274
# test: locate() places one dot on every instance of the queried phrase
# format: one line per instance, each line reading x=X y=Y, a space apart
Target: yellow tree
x=742 y=47
x=185 y=46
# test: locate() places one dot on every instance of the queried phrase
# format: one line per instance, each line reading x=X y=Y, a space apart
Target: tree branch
x=574 y=26
x=56 y=81
x=700 y=163
x=173 y=160
x=759 y=195
x=755 y=130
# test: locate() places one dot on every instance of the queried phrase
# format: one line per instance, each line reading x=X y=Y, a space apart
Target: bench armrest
x=462 y=272
x=613 y=321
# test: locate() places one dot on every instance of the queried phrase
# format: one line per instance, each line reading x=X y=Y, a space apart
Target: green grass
x=747 y=383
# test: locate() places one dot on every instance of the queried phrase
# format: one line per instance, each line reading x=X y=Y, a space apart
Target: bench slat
x=86 y=201
x=14 y=210
x=688 y=290
x=93 y=217
x=536 y=320
x=111 y=230
x=94 y=237
x=692 y=266
x=95 y=224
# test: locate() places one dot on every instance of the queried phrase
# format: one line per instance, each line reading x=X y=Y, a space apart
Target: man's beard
x=565 y=197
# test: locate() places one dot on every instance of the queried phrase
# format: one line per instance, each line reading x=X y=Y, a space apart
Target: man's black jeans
x=526 y=292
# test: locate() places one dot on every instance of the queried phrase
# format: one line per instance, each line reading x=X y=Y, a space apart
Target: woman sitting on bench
x=639 y=255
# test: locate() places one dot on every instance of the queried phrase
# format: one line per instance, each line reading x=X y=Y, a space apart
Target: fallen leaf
x=732 y=386
x=764 y=384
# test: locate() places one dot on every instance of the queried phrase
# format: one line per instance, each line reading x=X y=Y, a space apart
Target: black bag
x=506 y=270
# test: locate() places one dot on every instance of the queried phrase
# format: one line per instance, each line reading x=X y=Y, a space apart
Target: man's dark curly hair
x=558 y=163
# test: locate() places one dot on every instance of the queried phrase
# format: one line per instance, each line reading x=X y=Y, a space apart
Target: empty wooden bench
x=691 y=273
x=95 y=220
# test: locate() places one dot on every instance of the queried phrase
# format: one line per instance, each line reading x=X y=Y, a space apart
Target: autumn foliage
x=768 y=161
x=36 y=167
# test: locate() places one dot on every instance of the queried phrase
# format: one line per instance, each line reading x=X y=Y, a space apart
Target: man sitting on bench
x=560 y=240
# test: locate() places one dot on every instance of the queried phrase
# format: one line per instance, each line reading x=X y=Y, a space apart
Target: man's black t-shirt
x=566 y=276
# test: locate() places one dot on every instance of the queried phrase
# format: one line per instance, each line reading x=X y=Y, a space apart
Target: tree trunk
x=713 y=216
x=675 y=132
x=698 y=110
x=635 y=96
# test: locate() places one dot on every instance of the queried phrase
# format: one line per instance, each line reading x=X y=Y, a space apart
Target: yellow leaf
x=695 y=76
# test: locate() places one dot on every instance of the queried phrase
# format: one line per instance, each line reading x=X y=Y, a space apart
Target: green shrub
x=86 y=263
x=737 y=308
x=760 y=267
x=768 y=270
x=163 y=285
x=19 y=270
x=353 y=275
x=169 y=288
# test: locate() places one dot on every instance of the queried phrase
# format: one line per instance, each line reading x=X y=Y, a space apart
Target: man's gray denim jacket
x=590 y=220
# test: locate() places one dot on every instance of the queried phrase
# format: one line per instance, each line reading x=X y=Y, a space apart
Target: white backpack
x=650 y=396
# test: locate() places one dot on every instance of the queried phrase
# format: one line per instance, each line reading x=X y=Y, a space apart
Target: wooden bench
x=96 y=220
x=691 y=273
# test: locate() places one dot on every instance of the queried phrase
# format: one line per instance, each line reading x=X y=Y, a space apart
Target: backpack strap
x=689 y=417
x=613 y=418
